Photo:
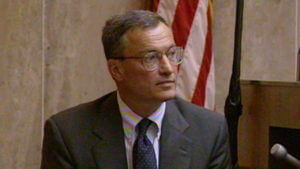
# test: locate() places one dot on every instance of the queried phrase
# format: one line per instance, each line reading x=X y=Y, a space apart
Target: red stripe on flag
x=155 y=5
x=183 y=20
x=200 y=91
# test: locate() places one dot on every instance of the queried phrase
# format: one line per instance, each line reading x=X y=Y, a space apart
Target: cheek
x=146 y=83
x=139 y=80
x=176 y=69
x=147 y=80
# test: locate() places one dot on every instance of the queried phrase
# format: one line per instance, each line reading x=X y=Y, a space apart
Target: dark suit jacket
x=91 y=136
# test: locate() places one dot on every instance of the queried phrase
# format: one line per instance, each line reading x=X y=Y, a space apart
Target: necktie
x=143 y=151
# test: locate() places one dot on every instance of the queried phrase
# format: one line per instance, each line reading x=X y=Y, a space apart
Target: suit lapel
x=174 y=145
x=109 y=152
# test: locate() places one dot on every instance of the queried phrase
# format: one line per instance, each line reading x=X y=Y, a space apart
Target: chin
x=164 y=96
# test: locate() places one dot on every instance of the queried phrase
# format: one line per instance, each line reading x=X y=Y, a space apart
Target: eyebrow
x=153 y=50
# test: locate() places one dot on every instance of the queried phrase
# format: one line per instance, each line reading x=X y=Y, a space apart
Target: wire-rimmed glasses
x=151 y=60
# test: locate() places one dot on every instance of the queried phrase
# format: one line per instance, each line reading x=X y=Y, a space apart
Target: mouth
x=166 y=82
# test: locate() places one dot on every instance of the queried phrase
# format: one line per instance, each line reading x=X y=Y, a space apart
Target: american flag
x=191 y=22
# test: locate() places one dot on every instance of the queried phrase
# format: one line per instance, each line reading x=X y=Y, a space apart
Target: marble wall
x=269 y=44
x=75 y=69
x=298 y=37
x=51 y=58
x=20 y=83
x=223 y=43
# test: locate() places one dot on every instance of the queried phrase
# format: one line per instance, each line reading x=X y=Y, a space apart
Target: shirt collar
x=131 y=119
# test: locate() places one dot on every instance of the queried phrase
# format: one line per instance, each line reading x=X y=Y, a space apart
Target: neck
x=143 y=108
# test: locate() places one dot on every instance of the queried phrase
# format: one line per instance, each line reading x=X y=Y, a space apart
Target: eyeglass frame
x=161 y=54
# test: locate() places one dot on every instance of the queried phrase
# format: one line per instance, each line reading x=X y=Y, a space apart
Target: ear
x=115 y=69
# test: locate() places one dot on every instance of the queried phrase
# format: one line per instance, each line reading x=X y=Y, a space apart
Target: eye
x=151 y=57
x=172 y=54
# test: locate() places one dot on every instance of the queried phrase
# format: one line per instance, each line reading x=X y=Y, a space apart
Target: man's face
x=157 y=85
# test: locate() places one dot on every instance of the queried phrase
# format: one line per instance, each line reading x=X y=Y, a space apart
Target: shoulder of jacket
x=197 y=112
x=81 y=109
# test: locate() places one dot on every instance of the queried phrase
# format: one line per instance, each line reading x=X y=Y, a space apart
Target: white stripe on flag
x=211 y=87
x=194 y=50
x=189 y=69
x=166 y=9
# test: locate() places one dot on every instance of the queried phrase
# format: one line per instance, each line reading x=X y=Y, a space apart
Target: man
x=142 y=125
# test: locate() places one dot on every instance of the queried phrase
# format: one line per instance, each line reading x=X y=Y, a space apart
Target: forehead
x=159 y=37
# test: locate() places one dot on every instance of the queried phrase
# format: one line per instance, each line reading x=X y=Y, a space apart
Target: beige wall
x=51 y=58
x=269 y=44
x=20 y=83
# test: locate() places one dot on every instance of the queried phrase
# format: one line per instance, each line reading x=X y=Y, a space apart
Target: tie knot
x=143 y=126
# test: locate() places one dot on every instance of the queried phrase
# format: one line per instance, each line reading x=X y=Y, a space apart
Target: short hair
x=116 y=27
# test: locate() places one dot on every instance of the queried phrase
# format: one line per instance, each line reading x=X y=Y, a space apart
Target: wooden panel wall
x=265 y=104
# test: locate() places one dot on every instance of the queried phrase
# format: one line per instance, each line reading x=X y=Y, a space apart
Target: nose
x=165 y=66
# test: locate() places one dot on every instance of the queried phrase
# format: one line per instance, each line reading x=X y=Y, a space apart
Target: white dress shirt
x=131 y=119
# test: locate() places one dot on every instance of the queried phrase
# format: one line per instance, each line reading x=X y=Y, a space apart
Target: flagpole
x=233 y=104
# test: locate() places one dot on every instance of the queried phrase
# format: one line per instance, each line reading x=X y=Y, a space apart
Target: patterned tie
x=143 y=151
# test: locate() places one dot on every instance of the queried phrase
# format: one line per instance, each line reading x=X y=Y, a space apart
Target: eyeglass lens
x=152 y=60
